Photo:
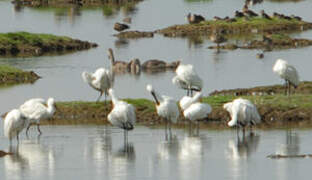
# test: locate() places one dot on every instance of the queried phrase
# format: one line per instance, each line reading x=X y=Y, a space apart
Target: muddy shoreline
x=17 y=77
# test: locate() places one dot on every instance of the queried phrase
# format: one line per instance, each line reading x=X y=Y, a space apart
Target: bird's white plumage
x=167 y=107
x=197 y=111
x=123 y=114
x=186 y=101
x=100 y=80
x=242 y=111
x=36 y=109
x=186 y=77
x=14 y=123
x=286 y=71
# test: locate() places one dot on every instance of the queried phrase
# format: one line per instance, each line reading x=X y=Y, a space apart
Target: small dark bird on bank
x=264 y=15
x=239 y=14
x=259 y=55
x=195 y=18
x=286 y=17
x=296 y=17
x=120 y=27
x=217 y=18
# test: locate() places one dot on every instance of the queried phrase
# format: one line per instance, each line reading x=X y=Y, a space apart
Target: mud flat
x=24 y=44
x=10 y=75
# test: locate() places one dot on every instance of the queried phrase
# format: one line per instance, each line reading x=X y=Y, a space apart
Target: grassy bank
x=31 y=44
x=12 y=75
x=277 y=111
x=240 y=26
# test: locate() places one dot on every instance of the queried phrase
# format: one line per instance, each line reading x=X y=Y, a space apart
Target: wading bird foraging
x=288 y=73
x=194 y=110
x=122 y=115
x=101 y=80
x=166 y=107
x=187 y=78
x=243 y=113
x=14 y=123
x=36 y=109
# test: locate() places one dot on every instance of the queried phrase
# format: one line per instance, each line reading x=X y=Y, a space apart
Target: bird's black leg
x=101 y=93
x=166 y=133
x=38 y=127
x=27 y=129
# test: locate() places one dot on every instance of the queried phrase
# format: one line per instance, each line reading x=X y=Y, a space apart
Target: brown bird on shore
x=194 y=18
x=217 y=18
x=120 y=27
x=264 y=15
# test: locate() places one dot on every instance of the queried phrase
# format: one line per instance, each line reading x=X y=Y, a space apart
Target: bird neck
x=114 y=98
x=111 y=56
x=51 y=108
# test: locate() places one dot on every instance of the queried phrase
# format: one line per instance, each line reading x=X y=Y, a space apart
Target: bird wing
x=197 y=111
x=13 y=122
x=34 y=110
x=121 y=114
x=185 y=102
x=292 y=75
x=188 y=74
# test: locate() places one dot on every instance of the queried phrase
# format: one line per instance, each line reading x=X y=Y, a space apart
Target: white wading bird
x=243 y=113
x=101 y=80
x=36 y=109
x=166 y=107
x=193 y=110
x=187 y=78
x=122 y=115
x=288 y=73
x=14 y=123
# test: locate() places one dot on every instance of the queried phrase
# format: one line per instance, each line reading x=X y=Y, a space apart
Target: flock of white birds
x=243 y=112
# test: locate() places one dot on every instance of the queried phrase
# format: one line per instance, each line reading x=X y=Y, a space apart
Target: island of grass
x=11 y=75
x=237 y=26
x=277 y=42
x=276 y=110
x=26 y=44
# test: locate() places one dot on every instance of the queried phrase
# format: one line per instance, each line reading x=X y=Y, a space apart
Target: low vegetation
x=12 y=75
x=31 y=44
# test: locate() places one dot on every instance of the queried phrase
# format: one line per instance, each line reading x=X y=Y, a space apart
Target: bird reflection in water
x=244 y=147
x=71 y=13
x=291 y=146
x=121 y=43
x=168 y=149
x=31 y=157
x=195 y=41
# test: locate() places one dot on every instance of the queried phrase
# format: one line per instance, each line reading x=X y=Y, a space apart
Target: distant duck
x=239 y=14
x=217 y=18
x=264 y=15
x=118 y=66
x=260 y=55
x=217 y=38
x=288 y=73
x=158 y=64
x=296 y=17
x=194 y=18
x=120 y=27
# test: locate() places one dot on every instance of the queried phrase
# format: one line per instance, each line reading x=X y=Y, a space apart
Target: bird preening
x=31 y=112
x=166 y=108
x=288 y=73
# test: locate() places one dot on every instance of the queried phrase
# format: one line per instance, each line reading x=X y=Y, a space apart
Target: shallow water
x=97 y=152
x=62 y=74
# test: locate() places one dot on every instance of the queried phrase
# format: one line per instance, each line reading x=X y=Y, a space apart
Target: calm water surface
x=62 y=74
x=97 y=152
